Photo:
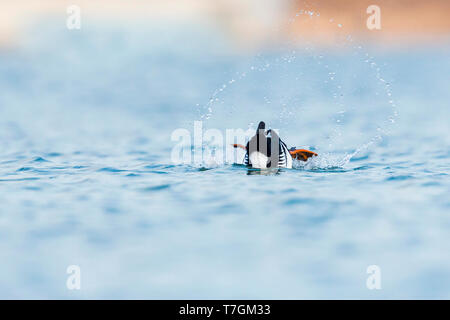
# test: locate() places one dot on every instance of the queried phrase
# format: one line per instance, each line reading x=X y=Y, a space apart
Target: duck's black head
x=261 y=126
x=259 y=142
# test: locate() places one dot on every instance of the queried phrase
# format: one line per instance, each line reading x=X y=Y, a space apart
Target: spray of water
x=289 y=106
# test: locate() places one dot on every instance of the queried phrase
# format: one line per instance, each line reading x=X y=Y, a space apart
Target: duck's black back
x=263 y=144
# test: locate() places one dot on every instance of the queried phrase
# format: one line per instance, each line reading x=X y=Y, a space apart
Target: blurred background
x=247 y=23
x=86 y=178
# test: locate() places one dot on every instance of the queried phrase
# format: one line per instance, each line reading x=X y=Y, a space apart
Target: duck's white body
x=258 y=160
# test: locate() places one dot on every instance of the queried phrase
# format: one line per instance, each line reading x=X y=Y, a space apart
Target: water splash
x=289 y=105
x=324 y=161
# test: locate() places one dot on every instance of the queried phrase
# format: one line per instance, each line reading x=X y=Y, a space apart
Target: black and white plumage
x=266 y=150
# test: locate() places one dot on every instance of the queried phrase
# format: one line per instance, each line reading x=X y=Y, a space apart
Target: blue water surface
x=87 y=179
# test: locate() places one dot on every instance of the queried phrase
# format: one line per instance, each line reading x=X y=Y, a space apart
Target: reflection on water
x=86 y=177
x=264 y=172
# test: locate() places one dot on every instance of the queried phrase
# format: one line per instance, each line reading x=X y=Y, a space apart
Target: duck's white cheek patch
x=258 y=160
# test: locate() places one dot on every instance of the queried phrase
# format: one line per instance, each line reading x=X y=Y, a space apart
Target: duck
x=266 y=150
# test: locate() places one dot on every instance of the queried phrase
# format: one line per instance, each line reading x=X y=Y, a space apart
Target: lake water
x=86 y=176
